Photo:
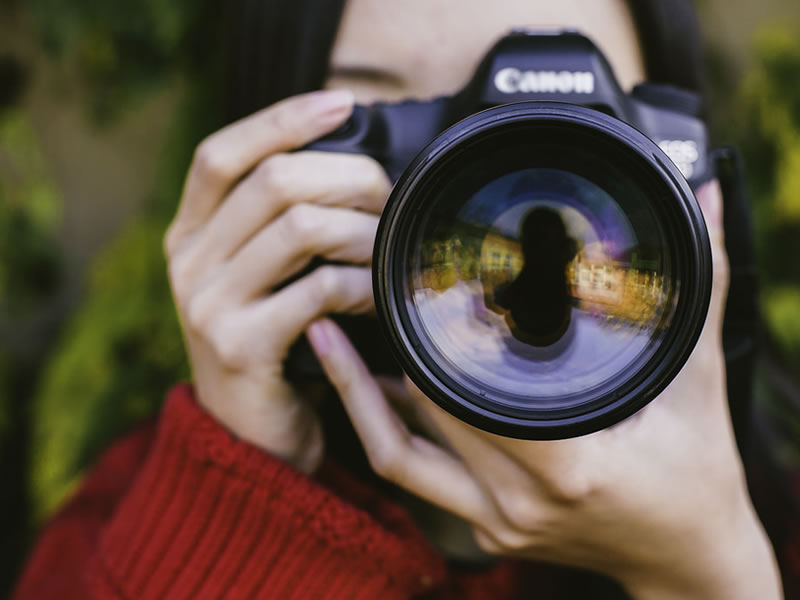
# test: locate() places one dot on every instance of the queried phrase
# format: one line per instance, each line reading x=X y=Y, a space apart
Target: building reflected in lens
x=535 y=279
x=618 y=293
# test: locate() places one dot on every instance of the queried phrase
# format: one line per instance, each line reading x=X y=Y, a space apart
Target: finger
x=410 y=461
x=283 y=316
x=520 y=501
x=706 y=366
x=351 y=181
x=262 y=332
x=289 y=243
x=409 y=409
x=709 y=196
x=226 y=156
x=522 y=476
x=513 y=487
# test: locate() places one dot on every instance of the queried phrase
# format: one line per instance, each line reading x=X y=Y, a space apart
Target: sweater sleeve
x=186 y=511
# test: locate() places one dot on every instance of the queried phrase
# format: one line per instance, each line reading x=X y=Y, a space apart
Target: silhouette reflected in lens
x=538 y=301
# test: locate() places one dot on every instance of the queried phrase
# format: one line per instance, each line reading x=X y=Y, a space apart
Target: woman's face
x=388 y=51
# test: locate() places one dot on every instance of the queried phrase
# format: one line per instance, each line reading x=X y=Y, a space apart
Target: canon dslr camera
x=542 y=268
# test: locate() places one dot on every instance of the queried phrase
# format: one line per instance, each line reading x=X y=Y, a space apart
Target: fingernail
x=318 y=338
x=330 y=104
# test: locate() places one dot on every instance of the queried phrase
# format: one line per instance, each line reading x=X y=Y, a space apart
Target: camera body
x=531 y=65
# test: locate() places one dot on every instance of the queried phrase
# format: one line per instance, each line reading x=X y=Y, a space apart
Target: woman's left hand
x=658 y=501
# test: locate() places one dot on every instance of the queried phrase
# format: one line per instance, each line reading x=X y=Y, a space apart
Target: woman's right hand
x=252 y=214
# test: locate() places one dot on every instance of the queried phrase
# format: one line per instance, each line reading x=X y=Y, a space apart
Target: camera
x=542 y=269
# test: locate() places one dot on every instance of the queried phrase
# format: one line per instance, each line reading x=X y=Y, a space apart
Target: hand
x=252 y=215
x=658 y=501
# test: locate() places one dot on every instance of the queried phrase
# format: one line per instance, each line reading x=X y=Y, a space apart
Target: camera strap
x=741 y=322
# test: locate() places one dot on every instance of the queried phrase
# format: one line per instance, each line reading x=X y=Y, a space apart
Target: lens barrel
x=542 y=270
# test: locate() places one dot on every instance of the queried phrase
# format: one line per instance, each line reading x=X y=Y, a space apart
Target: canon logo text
x=512 y=81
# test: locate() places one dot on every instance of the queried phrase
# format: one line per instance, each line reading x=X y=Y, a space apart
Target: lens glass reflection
x=540 y=286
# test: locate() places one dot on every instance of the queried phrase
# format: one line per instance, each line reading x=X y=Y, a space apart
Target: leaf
x=115 y=360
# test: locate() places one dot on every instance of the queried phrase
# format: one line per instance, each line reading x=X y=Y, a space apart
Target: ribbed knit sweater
x=183 y=510
x=180 y=509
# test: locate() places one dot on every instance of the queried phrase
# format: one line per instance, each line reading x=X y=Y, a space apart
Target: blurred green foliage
x=117 y=356
x=760 y=113
x=125 y=49
x=121 y=350
x=30 y=211
x=765 y=122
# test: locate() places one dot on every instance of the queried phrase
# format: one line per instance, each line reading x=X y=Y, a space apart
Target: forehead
x=422 y=48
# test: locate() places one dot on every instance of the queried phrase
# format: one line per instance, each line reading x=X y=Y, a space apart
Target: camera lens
x=542 y=270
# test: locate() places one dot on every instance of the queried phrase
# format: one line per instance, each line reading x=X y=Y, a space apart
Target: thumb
x=709 y=196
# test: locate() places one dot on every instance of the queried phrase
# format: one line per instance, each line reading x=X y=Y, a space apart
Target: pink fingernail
x=318 y=338
x=330 y=104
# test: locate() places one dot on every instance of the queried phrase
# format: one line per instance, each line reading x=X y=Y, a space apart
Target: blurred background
x=101 y=105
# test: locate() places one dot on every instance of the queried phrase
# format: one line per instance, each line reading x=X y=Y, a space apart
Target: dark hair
x=672 y=43
x=282 y=47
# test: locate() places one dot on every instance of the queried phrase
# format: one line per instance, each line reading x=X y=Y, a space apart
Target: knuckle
x=486 y=542
x=171 y=240
x=179 y=272
x=569 y=488
x=229 y=348
x=519 y=509
x=327 y=282
x=511 y=541
x=210 y=161
x=385 y=461
x=274 y=175
x=381 y=184
x=501 y=540
x=199 y=314
x=301 y=222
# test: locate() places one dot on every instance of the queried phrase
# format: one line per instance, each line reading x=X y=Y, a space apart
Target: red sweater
x=183 y=510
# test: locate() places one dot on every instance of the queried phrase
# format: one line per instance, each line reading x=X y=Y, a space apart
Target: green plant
x=766 y=123
x=117 y=356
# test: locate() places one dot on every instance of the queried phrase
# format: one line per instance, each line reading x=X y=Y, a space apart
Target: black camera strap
x=741 y=323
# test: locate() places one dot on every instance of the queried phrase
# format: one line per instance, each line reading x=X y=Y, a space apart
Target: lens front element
x=541 y=288
x=542 y=275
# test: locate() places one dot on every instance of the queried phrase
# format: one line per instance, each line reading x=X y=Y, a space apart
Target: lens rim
x=391 y=251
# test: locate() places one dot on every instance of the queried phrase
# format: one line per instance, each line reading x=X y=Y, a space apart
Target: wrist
x=732 y=562
x=277 y=419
